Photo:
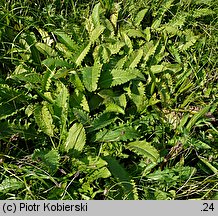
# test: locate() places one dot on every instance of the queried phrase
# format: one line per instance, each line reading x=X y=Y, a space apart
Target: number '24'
x=208 y=207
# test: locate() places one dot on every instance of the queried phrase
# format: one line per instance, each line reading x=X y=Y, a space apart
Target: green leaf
x=127 y=41
x=9 y=109
x=45 y=49
x=78 y=100
x=96 y=33
x=82 y=54
x=195 y=118
x=30 y=39
x=120 y=134
x=134 y=59
x=198 y=144
x=10 y=184
x=135 y=33
x=44 y=119
x=137 y=94
x=76 y=81
x=24 y=74
x=51 y=62
x=61 y=106
x=175 y=52
x=164 y=7
x=163 y=67
x=95 y=14
x=91 y=76
x=209 y=165
x=120 y=64
x=102 y=172
x=102 y=121
x=191 y=41
x=145 y=149
x=140 y=15
x=172 y=175
x=27 y=77
x=49 y=159
x=66 y=40
x=118 y=77
x=111 y=107
x=122 y=176
x=115 y=47
x=123 y=76
x=203 y=12
x=81 y=116
x=76 y=138
x=150 y=49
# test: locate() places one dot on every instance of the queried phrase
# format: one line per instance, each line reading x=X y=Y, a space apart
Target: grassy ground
x=109 y=99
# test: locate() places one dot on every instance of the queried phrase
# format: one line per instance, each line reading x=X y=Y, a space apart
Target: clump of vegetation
x=109 y=99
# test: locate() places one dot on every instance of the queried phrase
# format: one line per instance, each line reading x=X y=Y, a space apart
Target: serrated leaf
x=118 y=77
x=96 y=33
x=147 y=32
x=145 y=149
x=174 y=51
x=198 y=144
x=111 y=96
x=135 y=33
x=191 y=41
x=76 y=81
x=51 y=62
x=82 y=54
x=95 y=14
x=81 y=116
x=115 y=48
x=64 y=51
x=137 y=94
x=45 y=49
x=61 y=106
x=49 y=159
x=150 y=49
x=8 y=109
x=78 y=100
x=66 y=40
x=122 y=176
x=114 y=17
x=163 y=67
x=203 y=12
x=102 y=121
x=123 y=76
x=173 y=174
x=156 y=23
x=61 y=73
x=120 y=64
x=91 y=76
x=134 y=59
x=30 y=39
x=23 y=74
x=140 y=16
x=165 y=6
x=76 y=138
x=10 y=184
x=11 y=101
x=120 y=134
x=102 y=172
x=44 y=119
x=127 y=41
x=111 y=107
x=158 y=68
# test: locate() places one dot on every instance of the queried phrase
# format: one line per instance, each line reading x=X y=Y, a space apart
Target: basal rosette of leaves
x=116 y=101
